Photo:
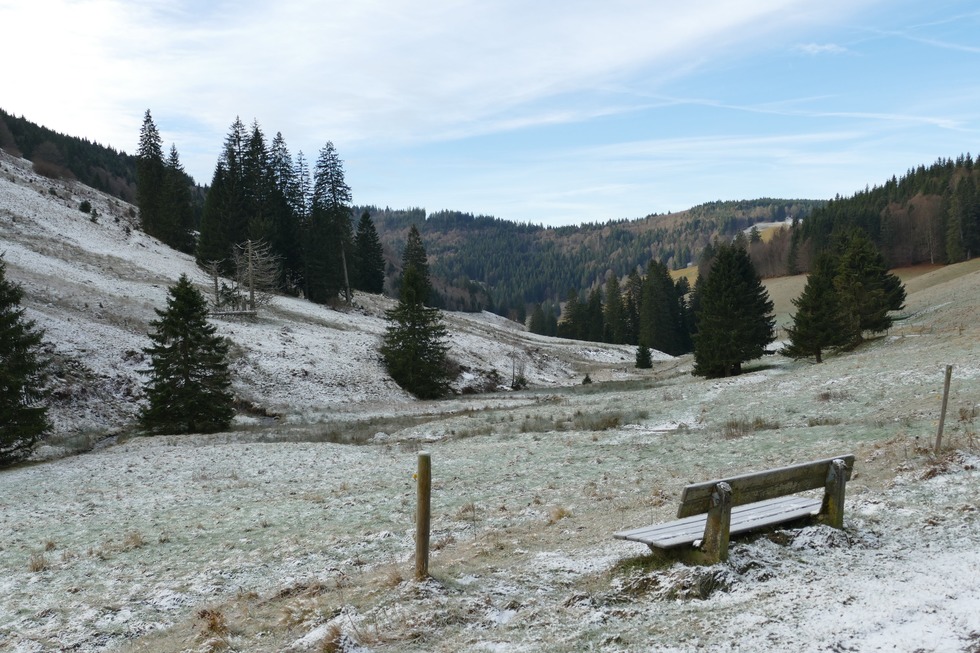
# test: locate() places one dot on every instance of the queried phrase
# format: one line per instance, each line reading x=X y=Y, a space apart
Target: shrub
x=85 y=206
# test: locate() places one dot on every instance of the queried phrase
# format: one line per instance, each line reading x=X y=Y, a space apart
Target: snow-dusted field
x=275 y=537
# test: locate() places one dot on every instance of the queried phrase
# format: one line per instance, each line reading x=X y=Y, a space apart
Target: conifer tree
x=329 y=235
x=644 y=359
x=370 y=272
x=414 y=256
x=177 y=210
x=866 y=289
x=615 y=312
x=150 y=179
x=662 y=324
x=285 y=214
x=225 y=219
x=538 y=323
x=735 y=321
x=574 y=318
x=595 y=325
x=23 y=376
x=414 y=347
x=819 y=323
x=189 y=381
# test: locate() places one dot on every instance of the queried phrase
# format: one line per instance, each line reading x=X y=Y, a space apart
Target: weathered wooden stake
x=422 y=516
x=718 y=524
x=832 y=509
x=942 y=415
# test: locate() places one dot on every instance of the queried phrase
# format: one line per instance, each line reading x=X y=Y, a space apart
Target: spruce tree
x=225 y=220
x=177 y=210
x=23 y=376
x=867 y=290
x=370 y=273
x=414 y=347
x=644 y=359
x=150 y=179
x=615 y=312
x=820 y=323
x=189 y=381
x=538 y=323
x=285 y=215
x=734 y=320
x=414 y=256
x=329 y=236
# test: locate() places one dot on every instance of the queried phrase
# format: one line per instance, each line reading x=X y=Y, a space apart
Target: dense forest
x=929 y=215
x=61 y=156
x=481 y=262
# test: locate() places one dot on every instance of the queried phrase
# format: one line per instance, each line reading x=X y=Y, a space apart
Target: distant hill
x=60 y=156
x=482 y=262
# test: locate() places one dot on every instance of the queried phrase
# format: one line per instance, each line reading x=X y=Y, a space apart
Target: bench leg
x=714 y=544
x=832 y=510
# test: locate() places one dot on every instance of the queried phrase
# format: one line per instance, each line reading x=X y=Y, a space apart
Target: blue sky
x=544 y=112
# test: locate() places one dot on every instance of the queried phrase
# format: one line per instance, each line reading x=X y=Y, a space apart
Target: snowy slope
x=92 y=285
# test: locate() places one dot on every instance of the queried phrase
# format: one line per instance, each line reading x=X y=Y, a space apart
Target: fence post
x=422 y=516
x=942 y=414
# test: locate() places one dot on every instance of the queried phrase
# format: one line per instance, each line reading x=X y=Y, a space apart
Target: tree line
x=259 y=194
x=59 y=156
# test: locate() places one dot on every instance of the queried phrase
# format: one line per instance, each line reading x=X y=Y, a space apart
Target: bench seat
x=746 y=518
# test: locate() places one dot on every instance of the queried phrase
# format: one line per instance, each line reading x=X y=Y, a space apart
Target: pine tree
x=615 y=312
x=866 y=289
x=23 y=376
x=178 y=210
x=538 y=323
x=819 y=323
x=285 y=214
x=330 y=230
x=150 y=179
x=735 y=321
x=370 y=269
x=225 y=219
x=414 y=256
x=189 y=381
x=414 y=348
x=662 y=324
x=595 y=321
x=644 y=359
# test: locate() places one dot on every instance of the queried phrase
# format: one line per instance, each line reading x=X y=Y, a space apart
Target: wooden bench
x=713 y=511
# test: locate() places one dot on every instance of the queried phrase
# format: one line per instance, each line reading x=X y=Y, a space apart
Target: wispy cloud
x=815 y=49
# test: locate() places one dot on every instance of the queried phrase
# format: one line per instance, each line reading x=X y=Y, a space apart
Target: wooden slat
x=745 y=518
x=760 y=486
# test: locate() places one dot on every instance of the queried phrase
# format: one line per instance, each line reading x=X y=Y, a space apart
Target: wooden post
x=942 y=415
x=714 y=544
x=832 y=510
x=422 y=516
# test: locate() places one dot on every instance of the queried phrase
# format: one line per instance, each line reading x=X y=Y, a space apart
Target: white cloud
x=815 y=49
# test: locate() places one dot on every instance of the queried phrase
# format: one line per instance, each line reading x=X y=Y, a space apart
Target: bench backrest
x=759 y=486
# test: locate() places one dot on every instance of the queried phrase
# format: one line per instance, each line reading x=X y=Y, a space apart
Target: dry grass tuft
x=557 y=513
x=334 y=641
x=736 y=428
x=212 y=621
x=133 y=540
x=37 y=562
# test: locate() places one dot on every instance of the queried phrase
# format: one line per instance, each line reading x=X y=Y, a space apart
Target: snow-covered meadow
x=281 y=536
